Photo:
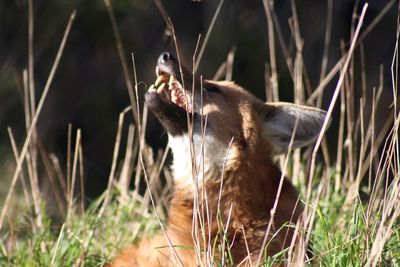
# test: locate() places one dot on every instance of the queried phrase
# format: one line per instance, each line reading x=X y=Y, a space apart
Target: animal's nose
x=164 y=58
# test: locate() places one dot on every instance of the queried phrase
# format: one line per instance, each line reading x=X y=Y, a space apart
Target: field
x=350 y=184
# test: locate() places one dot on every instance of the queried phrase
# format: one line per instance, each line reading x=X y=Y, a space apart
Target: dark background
x=89 y=88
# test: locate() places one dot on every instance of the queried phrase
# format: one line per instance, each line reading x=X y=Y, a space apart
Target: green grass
x=340 y=236
x=82 y=239
x=344 y=239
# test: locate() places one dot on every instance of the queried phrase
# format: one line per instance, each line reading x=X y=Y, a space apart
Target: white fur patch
x=209 y=154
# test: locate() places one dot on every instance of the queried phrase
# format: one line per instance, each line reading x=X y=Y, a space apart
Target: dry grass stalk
x=32 y=106
x=31 y=150
x=22 y=174
x=53 y=188
x=309 y=223
x=273 y=210
x=111 y=177
x=273 y=81
x=125 y=175
x=176 y=260
x=327 y=40
x=282 y=44
x=207 y=37
x=123 y=59
x=339 y=156
x=70 y=201
x=229 y=64
x=24 y=150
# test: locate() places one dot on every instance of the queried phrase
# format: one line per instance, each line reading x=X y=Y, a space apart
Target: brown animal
x=222 y=139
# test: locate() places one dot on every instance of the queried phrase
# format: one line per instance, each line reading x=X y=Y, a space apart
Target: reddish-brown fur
x=250 y=183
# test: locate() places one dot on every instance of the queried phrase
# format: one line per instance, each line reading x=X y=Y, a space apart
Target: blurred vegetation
x=89 y=88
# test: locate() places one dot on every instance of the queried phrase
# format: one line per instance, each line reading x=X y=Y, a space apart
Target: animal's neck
x=197 y=158
x=243 y=195
x=247 y=189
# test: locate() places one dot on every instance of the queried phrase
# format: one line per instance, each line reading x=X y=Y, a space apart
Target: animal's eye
x=212 y=88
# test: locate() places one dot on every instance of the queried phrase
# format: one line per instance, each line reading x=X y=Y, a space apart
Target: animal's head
x=212 y=115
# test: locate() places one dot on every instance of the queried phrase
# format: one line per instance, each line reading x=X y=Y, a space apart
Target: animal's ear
x=279 y=124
